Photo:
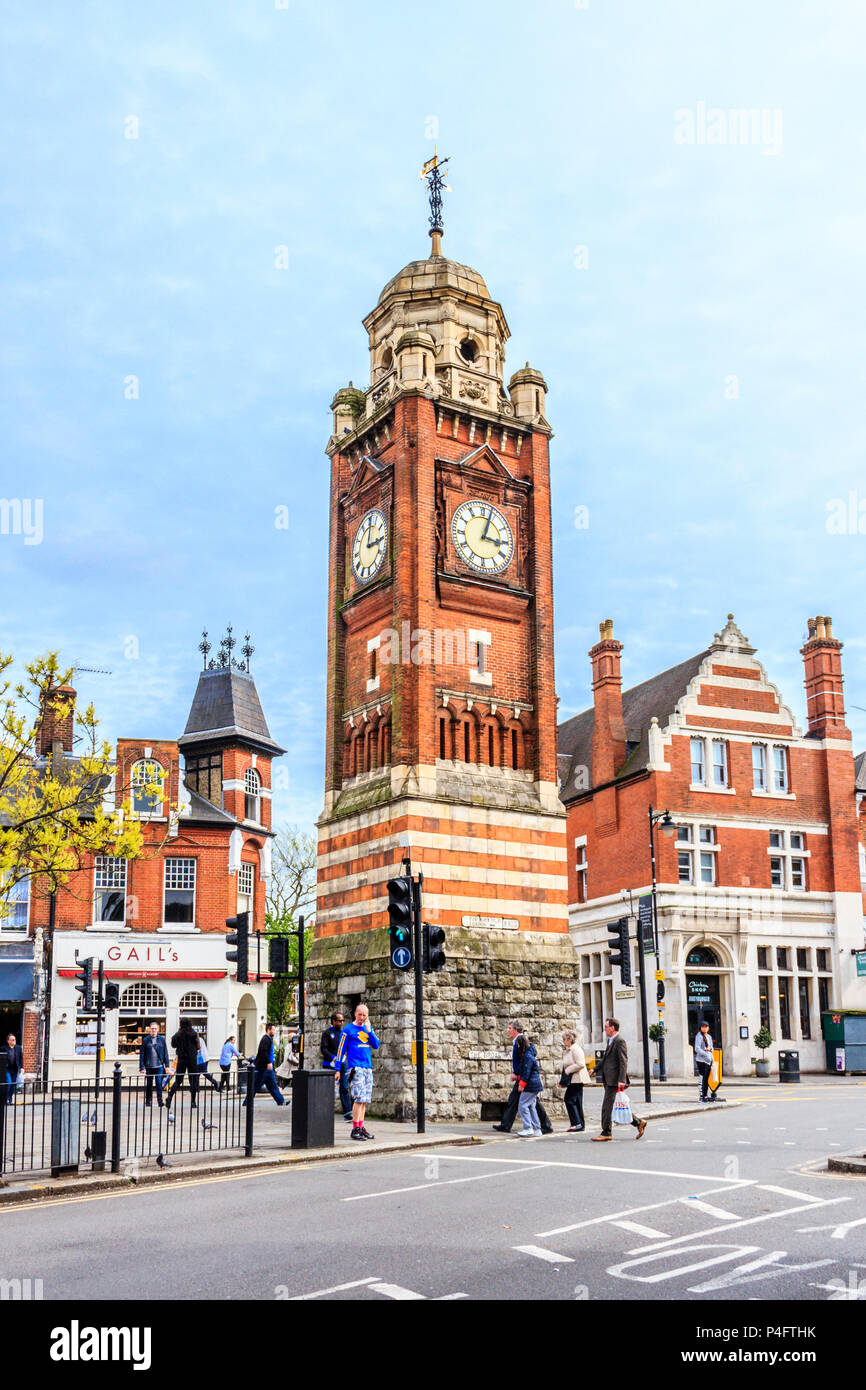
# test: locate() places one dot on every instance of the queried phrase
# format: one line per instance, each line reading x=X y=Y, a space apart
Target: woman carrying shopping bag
x=574 y=1077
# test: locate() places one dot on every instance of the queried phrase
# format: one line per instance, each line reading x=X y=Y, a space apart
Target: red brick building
x=158 y=922
x=759 y=888
x=441 y=735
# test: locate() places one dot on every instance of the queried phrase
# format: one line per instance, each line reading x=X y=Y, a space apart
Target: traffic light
x=239 y=935
x=278 y=955
x=400 y=920
x=85 y=986
x=620 y=950
x=112 y=995
x=433 y=948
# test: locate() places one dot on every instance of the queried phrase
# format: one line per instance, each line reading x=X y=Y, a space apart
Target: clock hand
x=484 y=535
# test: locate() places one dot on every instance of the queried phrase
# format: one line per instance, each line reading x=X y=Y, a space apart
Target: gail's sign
x=140 y=954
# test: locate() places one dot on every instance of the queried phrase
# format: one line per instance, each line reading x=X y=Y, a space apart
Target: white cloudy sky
x=305 y=126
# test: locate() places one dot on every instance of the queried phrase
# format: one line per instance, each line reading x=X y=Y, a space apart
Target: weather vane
x=432 y=172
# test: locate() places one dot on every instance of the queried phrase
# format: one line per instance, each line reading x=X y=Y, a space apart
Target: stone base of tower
x=491 y=977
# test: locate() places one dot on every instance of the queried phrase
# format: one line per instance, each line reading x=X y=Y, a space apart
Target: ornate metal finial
x=204 y=647
x=432 y=172
x=246 y=651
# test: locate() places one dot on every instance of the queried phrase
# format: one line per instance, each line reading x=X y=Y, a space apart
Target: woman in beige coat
x=574 y=1070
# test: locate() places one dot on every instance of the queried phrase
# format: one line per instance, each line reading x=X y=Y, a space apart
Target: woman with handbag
x=574 y=1077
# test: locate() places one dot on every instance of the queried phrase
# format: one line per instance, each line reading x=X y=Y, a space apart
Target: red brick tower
x=441 y=731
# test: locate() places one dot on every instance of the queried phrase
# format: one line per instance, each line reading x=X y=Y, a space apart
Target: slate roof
x=657 y=696
x=860 y=772
x=200 y=809
x=226 y=705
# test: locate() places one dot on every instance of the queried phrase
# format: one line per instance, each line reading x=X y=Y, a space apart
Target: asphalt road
x=728 y=1205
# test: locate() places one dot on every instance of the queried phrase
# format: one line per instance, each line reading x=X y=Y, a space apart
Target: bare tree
x=291 y=891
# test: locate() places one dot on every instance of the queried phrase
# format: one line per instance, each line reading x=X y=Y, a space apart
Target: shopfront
x=162 y=979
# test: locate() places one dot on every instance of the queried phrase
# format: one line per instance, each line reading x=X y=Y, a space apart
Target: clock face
x=482 y=537
x=369 y=546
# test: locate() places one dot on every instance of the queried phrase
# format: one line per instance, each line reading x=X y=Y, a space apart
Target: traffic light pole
x=653 y=817
x=419 y=1000
x=101 y=977
x=301 y=991
x=644 y=1023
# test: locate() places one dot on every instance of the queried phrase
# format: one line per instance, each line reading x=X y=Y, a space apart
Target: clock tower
x=441 y=712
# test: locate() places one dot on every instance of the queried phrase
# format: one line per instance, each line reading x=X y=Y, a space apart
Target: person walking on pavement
x=704 y=1058
x=328 y=1048
x=517 y=1038
x=227 y=1052
x=529 y=1086
x=202 y=1060
x=153 y=1062
x=185 y=1044
x=14 y=1066
x=613 y=1071
x=574 y=1077
x=263 y=1067
x=356 y=1040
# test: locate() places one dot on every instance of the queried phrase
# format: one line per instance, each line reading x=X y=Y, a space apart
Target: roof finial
x=432 y=171
x=204 y=647
x=247 y=650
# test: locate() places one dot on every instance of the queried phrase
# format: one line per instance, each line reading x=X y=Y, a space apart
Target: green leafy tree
x=52 y=815
x=291 y=892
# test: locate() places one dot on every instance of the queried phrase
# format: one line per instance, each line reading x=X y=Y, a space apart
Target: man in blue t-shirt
x=353 y=1051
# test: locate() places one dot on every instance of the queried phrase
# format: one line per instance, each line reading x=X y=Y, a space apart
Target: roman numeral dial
x=482 y=537
x=369 y=546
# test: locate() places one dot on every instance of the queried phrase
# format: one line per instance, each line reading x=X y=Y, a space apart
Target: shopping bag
x=622 y=1109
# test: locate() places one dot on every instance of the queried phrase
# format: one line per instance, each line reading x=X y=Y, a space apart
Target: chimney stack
x=608 y=731
x=57 y=721
x=825 y=708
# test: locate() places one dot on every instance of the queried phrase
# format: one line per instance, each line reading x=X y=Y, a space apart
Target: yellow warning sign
x=660 y=974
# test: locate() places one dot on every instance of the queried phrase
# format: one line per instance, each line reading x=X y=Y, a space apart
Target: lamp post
x=668 y=826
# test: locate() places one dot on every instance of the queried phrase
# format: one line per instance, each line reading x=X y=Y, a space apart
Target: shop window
x=764 y=984
x=784 y=1008
x=109 y=889
x=252 y=796
x=141 y=1004
x=179 y=904
x=805 y=1019
x=85 y=1032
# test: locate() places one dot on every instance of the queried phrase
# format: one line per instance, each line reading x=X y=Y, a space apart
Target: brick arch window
x=445 y=742
x=383 y=741
x=370 y=737
x=194 y=1006
x=252 y=796
x=491 y=742
x=514 y=745
x=147 y=781
x=356 y=753
x=466 y=749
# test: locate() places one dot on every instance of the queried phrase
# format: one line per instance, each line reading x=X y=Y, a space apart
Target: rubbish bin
x=313 y=1110
x=789 y=1066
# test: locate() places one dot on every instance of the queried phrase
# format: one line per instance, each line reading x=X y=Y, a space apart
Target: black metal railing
x=81 y=1125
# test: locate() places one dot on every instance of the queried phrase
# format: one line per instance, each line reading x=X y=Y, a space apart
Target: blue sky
x=704 y=352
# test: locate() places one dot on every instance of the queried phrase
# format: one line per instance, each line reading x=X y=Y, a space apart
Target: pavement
x=729 y=1202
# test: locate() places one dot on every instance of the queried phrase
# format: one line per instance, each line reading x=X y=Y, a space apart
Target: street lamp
x=667 y=824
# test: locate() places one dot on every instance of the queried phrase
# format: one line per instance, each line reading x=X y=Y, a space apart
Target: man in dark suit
x=613 y=1071
x=153 y=1061
x=13 y=1063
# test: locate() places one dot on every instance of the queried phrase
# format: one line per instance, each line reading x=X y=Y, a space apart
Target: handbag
x=622 y=1109
x=564 y=1078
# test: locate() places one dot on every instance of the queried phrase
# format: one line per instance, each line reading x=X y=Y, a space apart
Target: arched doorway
x=703 y=993
x=247 y=1018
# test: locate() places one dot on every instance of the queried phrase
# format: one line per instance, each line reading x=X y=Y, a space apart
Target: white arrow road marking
x=708 y=1207
x=638 y=1230
x=769 y=1266
x=435 y=1182
x=616 y=1216
x=395 y=1291
x=749 y=1221
x=839 y=1232
x=541 y=1253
